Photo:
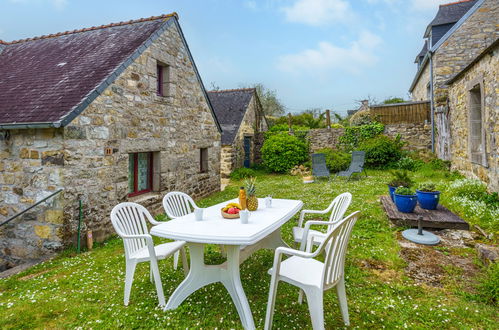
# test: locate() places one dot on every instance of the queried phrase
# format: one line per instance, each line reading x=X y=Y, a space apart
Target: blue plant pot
x=391 y=190
x=428 y=200
x=405 y=203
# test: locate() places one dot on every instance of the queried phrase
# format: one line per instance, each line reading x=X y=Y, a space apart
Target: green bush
x=410 y=164
x=405 y=191
x=400 y=178
x=285 y=128
x=355 y=135
x=336 y=160
x=381 y=151
x=427 y=187
x=281 y=152
x=242 y=173
x=439 y=164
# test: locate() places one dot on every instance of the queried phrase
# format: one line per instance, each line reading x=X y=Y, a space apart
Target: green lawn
x=87 y=290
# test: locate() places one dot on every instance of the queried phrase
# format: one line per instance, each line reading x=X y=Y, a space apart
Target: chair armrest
x=308 y=224
x=143 y=236
x=292 y=252
x=303 y=212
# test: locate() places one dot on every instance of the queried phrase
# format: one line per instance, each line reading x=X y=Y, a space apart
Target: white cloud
x=251 y=4
x=57 y=4
x=427 y=4
x=318 y=12
x=326 y=57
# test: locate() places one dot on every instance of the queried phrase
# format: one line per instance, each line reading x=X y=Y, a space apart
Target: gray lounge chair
x=356 y=166
x=319 y=167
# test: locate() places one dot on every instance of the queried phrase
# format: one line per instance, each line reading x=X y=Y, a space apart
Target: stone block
x=74 y=132
x=54 y=216
x=24 y=153
x=42 y=231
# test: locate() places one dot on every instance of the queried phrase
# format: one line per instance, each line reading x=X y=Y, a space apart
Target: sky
x=326 y=54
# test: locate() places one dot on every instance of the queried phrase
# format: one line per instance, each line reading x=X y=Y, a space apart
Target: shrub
x=285 y=128
x=400 y=178
x=281 y=152
x=242 y=173
x=363 y=117
x=439 y=164
x=355 y=135
x=405 y=191
x=336 y=160
x=381 y=151
x=469 y=188
x=427 y=187
x=410 y=164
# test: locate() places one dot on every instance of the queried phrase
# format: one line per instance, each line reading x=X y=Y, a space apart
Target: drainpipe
x=432 y=104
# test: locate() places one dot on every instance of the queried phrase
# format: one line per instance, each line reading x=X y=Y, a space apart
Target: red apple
x=232 y=210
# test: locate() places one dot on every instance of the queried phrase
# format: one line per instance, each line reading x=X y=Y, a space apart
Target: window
x=163 y=77
x=203 y=160
x=477 y=133
x=140 y=172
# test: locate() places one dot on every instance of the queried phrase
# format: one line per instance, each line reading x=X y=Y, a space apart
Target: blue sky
x=315 y=53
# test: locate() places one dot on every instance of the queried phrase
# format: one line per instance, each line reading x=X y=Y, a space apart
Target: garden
x=389 y=284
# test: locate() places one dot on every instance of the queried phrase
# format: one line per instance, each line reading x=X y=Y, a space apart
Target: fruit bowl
x=228 y=215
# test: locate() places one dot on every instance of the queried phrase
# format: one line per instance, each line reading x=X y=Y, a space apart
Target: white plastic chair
x=337 y=208
x=176 y=205
x=313 y=276
x=129 y=221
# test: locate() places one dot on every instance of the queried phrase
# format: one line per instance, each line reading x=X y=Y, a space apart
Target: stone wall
x=417 y=136
x=127 y=117
x=320 y=138
x=466 y=43
x=420 y=91
x=486 y=73
x=251 y=124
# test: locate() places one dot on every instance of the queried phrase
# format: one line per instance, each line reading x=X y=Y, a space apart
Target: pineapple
x=251 y=201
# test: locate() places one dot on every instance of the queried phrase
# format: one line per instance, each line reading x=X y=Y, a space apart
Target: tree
x=271 y=105
x=392 y=100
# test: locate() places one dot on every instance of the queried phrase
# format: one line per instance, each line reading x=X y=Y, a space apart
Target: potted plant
x=428 y=196
x=400 y=178
x=405 y=199
x=307 y=177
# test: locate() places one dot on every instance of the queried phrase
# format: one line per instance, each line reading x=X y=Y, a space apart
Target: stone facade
x=320 y=138
x=417 y=136
x=127 y=117
x=486 y=74
x=253 y=122
x=420 y=90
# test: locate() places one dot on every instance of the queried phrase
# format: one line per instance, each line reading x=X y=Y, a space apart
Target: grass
x=86 y=290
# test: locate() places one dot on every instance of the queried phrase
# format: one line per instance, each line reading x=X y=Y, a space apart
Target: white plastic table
x=239 y=240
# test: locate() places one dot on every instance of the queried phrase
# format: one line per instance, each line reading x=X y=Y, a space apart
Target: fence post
x=328 y=119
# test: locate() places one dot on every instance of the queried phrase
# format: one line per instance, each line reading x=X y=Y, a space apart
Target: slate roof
x=47 y=81
x=230 y=107
x=450 y=13
x=423 y=51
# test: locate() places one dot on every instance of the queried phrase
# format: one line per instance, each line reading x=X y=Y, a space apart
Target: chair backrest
x=319 y=167
x=177 y=204
x=358 y=160
x=339 y=206
x=335 y=245
x=130 y=219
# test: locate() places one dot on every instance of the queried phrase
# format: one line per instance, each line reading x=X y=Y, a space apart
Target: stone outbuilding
x=459 y=33
x=241 y=116
x=107 y=114
x=474 y=118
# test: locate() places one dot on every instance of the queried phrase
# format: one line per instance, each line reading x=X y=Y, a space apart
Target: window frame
x=160 y=79
x=149 y=188
x=203 y=160
x=163 y=79
x=473 y=86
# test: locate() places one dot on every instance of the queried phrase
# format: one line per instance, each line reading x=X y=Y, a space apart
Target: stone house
x=459 y=33
x=474 y=118
x=108 y=114
x=241 y=116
